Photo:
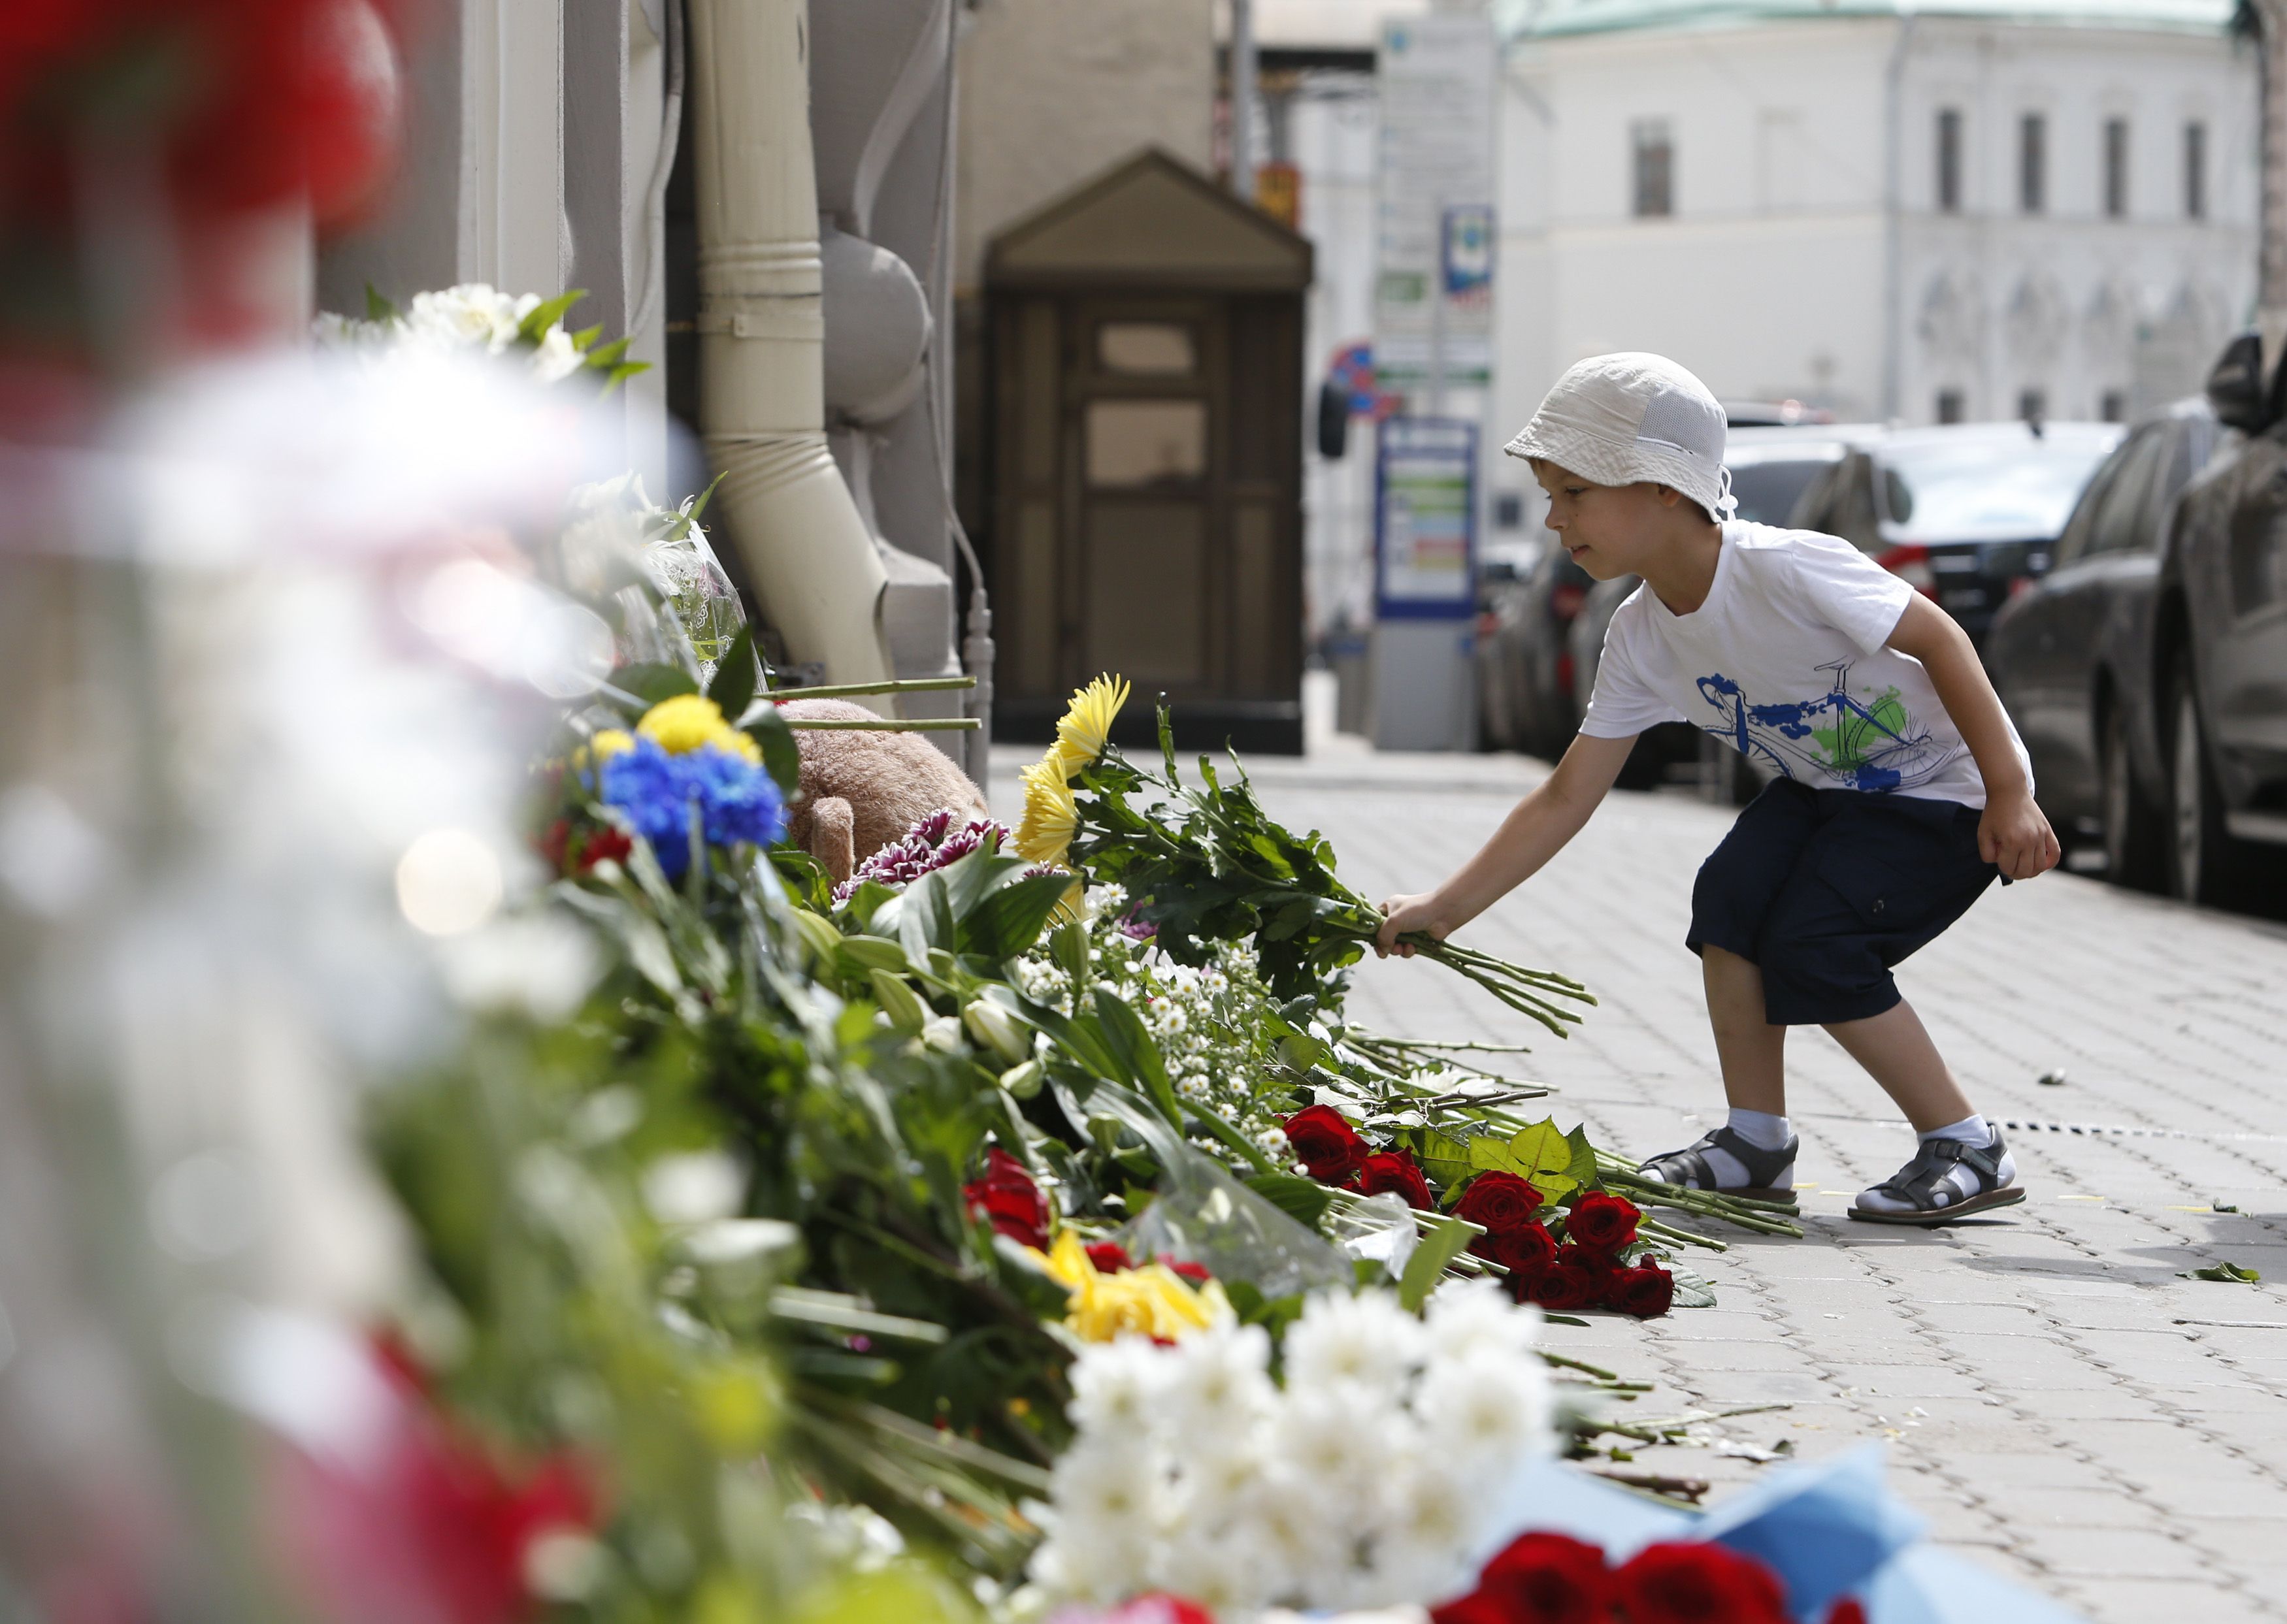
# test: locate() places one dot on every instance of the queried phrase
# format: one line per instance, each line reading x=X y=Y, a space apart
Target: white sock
x=1961 y=1184
x=1764 y=1131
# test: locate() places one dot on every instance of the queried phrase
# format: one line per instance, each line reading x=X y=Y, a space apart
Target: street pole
x=1242 y=99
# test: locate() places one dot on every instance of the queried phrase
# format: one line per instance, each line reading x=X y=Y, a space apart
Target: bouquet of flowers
x=1355 y=1476
x=1207 y=864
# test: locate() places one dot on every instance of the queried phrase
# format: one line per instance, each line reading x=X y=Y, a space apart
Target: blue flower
x=737 y=800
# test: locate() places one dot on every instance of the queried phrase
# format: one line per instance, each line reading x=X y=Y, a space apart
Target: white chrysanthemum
x=1218 y=1385
x=1367 y=1341
x=1488 y=1408
x=1116 y=1389
x=1342 y=1445
x=1104 y=1563
x=1467 y=1317
x=1223 y=1573
x=556 y=358
x=1285 y=1521
x=1220 y=1473
x=1431 y=1526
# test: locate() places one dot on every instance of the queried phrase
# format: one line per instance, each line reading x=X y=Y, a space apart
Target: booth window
x=1144 y=443
x=1146 y=349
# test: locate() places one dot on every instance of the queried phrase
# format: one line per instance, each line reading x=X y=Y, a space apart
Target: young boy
x=1902 y=790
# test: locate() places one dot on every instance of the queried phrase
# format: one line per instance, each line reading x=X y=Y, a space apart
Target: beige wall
x=1054 y=90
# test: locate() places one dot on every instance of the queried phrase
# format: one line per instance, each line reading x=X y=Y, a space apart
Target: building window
x=2115 y=169
x=1950 y=406
x=2033 y=405
x=1655 y=166
x=2032 y=164
x=1948 y=160
x=2114 y=407
x=2195 y=171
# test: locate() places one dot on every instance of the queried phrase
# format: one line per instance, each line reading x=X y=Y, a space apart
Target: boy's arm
x=2012 y=833
x=1532 y=834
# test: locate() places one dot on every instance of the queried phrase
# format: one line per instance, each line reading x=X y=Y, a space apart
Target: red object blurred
x=1565 y=599
x=1109 y=1257
x=1540 y=1579
x=1848 y=1610
x=1911 y=564
x=1010 y=1200
x=413 y=1518
x=1691 y=1583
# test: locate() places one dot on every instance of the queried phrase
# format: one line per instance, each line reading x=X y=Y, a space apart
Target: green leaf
x=780 y=753
x=1009 y=922
x=1436 y=1248
x=1303 y=1200
x=1693 y=1289
x=1082 y=1042
x=698 y=502
x=606 y=356
x=927 y=921
x=2231 y=1272
x=650 y=683
x=1446 y=1160
x=735 y=675
x=378 y=309
x=585 y=336
x=546 y=314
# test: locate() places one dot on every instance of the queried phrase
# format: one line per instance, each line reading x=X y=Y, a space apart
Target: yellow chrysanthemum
x=602 y=748
x=1152 y=1301
x=1044 y=831
x=692 y=721
x=1087 y=723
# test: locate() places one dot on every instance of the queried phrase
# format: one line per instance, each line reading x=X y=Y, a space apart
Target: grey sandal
x=1919 y=1179
x=1689 y=1167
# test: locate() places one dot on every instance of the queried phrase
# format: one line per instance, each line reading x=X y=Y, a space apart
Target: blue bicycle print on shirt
x=1834 y=737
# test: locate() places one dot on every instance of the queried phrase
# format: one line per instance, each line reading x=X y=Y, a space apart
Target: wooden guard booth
x=1145 y=399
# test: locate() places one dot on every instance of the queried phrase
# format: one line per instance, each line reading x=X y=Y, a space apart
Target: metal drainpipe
x=762 y=331
x=1893 y=204
x=1242 y=99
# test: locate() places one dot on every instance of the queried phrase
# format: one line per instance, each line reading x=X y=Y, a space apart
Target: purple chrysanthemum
x=929 y=845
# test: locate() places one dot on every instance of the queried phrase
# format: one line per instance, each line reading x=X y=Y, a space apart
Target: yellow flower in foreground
x=602 y=748
x=1152 y=1301
x=692 y=721
x=1044 y=830
x=1087 y=723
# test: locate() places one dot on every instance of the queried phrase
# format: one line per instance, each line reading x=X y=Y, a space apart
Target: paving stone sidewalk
x=2059 y=1404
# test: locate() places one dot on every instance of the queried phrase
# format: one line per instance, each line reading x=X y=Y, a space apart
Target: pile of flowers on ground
x=1357 y=1477
x=1555 y=1578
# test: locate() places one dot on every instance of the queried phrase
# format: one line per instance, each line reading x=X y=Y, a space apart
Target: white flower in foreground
x=1221 y=1570
x=1467 y=1317
x=1334 y=1442
x=1218 y=1385
x=1116 y=1389
x=556 y=358
x=1367 y=1341
x=1485 y=1408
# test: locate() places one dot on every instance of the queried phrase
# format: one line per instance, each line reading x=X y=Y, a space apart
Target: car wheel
x=2199 y=848
x=2133 y=832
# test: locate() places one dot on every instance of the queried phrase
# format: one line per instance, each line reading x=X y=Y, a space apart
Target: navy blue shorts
x=1827 y=889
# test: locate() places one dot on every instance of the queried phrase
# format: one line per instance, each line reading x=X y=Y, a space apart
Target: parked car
x=1962 y=512
x=2075 y=654
x=2215 y=681
x=1771 y=469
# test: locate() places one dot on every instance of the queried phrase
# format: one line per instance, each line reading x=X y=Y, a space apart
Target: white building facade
x=1987 y=210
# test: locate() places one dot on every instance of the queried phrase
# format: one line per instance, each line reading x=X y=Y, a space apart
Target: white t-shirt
x=1786 y=661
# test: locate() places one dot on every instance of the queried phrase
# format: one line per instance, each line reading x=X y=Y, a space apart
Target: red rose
x=1523 y=1252
x=1603 y=1223
x=605 y=845
x=1695 y=1583
x=1474 y=1608
x=1646 y=1291
x=1325 y=1143
x=1566 y=1284
x=1396 y=1172
x=1848 y=1610
x=1549 y=1579
x=1109 y=1257
x=1009 y=1198
x=1500 y=1202
x=1195 y=1273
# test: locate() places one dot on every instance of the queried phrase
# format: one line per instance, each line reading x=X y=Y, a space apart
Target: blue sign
x=1467 y=250
x=1425 y=519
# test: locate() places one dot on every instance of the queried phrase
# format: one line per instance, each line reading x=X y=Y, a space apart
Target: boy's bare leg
x=1752 y=1052
x=1896 y=1052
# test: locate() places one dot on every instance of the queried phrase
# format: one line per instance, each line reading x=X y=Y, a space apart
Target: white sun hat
x=1631 y=417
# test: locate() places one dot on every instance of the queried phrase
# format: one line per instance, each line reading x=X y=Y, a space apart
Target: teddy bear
x=861 y=791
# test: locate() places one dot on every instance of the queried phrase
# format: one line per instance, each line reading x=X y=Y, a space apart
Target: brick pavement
x=2059 y=1403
